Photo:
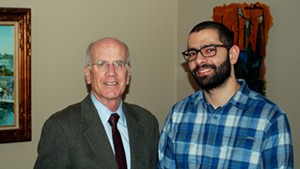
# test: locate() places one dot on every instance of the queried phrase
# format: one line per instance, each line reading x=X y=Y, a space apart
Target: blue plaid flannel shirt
x=249 y=131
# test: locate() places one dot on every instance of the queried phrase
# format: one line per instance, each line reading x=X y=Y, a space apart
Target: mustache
x=204 y=66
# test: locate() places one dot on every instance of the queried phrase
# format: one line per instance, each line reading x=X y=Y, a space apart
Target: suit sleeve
x=154 y=141
x=53 y=147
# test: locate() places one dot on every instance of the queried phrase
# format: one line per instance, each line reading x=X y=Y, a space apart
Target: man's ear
x=128 y=75
x=234 y=54
x=87 y=74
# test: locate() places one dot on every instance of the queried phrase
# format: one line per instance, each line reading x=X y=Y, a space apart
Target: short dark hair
x=226 y=36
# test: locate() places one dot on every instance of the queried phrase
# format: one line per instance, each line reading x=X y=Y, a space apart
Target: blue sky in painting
x=7 y=39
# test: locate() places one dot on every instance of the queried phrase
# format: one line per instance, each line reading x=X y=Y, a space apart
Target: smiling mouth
x=204 y=69
x=111 y=83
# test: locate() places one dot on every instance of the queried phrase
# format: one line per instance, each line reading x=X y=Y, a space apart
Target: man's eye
x=119 y=64
x=209 y=49
x=101 y=64
x=192 y=53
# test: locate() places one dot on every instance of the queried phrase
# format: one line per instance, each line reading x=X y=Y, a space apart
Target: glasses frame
x=115 y=63
x=186 y=56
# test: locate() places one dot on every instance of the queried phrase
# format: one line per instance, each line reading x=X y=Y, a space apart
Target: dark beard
x=222 y=73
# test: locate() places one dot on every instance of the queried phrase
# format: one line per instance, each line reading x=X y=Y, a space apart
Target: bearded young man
x=224 y=125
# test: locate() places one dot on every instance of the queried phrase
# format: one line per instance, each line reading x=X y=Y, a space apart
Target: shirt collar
x=239 y=99
x=104 y=113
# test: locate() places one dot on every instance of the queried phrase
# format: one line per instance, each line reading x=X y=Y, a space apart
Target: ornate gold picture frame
x=15 y=75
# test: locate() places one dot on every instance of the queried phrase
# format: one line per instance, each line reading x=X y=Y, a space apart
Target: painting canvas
x=250 y=24
x=8 y=115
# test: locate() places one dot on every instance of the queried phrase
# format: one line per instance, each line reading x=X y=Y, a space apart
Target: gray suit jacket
x=74 y=138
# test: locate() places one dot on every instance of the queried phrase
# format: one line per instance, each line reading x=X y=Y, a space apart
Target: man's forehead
x=203 y=37
x=108 y=44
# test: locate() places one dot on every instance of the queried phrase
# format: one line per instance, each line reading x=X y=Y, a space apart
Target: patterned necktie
x=119 y=149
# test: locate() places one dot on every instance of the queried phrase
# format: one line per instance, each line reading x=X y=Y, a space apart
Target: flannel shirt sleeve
x=165 y=152
x=278 y=148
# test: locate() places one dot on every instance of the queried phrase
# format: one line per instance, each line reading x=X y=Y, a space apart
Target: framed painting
x=15 y=75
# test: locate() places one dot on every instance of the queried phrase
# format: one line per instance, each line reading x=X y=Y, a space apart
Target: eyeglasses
x=206 y=51
x=118 y=65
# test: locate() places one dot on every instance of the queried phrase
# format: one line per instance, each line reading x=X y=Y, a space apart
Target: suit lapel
x=96 y=135
x=135 y=131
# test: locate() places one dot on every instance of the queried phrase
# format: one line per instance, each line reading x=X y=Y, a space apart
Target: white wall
x=61 y=31
x=282 y=59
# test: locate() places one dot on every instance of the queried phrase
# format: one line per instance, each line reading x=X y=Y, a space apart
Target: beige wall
x=61 y=31
x=282 y=54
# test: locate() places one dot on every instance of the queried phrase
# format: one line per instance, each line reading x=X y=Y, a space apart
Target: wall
x=282 y=54
x=61 y=31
